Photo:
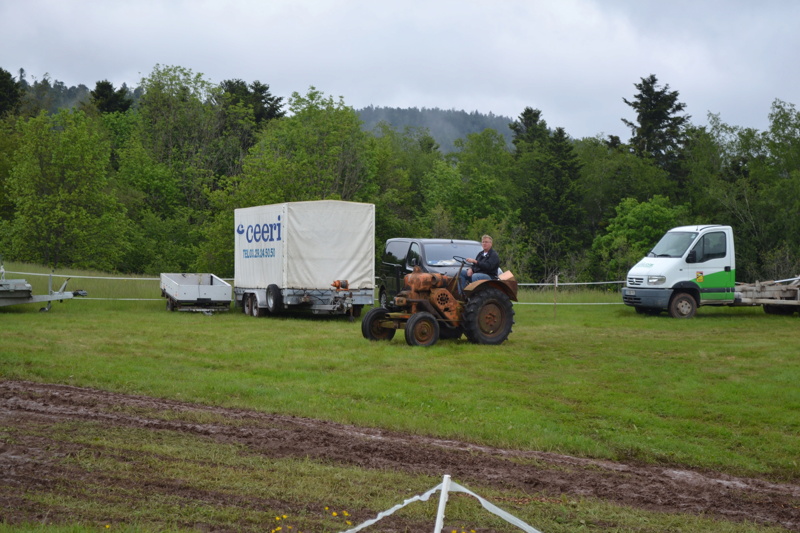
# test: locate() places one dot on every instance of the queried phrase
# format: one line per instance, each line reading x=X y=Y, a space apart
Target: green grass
x=300 y=493
x=717 y=392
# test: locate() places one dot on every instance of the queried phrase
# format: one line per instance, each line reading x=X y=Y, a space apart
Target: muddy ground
x=28 y=464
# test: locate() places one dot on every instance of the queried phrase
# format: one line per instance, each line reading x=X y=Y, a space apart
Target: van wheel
x=383 y=299
x=683 y=305
x=446 y=332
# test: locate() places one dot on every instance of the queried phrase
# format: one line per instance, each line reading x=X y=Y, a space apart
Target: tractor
x=431 y=307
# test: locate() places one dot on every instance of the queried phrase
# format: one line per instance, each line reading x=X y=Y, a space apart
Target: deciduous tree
x=64 y=213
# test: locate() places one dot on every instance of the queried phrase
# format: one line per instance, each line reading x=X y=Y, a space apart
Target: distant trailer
x=196 y=292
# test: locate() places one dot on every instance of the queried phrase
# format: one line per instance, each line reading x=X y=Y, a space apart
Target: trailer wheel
x=371 y=327
x=247 y=303
x=784 y=310
x=255 y=310
x=683 y=305
x=170 y=304
x=422 y=329
x=274 y=299
x=488 y=317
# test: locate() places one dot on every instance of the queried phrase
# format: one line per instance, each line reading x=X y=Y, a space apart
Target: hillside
x=444 y=125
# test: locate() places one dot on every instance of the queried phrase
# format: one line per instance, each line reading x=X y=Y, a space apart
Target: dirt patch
x=649 y=487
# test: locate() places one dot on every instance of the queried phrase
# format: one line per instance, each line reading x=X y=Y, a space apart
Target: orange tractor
x=431 y=307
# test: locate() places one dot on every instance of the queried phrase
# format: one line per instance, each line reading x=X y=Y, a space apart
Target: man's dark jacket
x=487 y=263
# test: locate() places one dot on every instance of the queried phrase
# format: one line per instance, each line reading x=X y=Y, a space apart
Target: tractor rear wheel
x=422 y=329
x=488 y=317
x=371 y=327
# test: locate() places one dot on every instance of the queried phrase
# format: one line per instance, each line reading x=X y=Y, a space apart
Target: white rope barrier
x=114 y=278
x=561 y=284
x=448 y=486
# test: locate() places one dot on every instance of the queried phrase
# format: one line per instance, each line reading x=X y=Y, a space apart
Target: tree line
x=146 y=180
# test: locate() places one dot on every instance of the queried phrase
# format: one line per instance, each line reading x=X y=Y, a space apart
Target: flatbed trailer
x=781 y=297
x=195 y=292
x=19 y=291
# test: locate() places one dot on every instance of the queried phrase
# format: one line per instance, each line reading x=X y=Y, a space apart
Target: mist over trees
x=446 y=126
x=145 y=180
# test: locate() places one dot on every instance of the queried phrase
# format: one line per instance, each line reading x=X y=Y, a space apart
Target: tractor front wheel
x=488 y=317
x=422 y=330
x=371 y=326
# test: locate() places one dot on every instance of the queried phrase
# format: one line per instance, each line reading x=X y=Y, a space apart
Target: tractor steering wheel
x=460 y=259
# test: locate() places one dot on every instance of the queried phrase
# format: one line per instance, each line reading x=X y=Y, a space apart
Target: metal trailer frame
x=780 y=292
x=19 y=291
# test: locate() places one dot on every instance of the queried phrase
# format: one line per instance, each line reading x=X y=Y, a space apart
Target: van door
x=711 y=258
x=392 y=266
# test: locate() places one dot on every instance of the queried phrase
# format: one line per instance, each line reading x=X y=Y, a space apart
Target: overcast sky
x=575 y=60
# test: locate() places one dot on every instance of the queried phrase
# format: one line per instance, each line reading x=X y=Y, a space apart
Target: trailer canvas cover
x=305 y=245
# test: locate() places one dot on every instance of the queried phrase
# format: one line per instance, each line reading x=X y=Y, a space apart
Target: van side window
x=413 y=255
x=711 y=246
x=395 y=252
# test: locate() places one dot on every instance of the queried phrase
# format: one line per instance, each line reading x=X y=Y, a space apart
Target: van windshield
x=442 y=254
x=673 y=244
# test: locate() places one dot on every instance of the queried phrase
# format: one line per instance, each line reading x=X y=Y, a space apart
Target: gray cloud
x=573 y=59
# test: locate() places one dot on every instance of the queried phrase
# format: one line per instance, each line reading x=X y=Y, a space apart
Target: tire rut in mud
x=655 y=488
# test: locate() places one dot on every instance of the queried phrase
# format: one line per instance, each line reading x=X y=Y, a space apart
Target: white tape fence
x=447 y=486
x=555 y=286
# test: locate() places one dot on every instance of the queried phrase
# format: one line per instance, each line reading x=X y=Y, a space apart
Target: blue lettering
x=258 y=253
x=266 y=232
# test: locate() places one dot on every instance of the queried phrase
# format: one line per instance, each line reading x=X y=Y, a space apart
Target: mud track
x=656 y=488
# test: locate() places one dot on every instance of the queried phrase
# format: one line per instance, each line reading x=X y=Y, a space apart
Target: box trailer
x=317 y=256
x=195 y=292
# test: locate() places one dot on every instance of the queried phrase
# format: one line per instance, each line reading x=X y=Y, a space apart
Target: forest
x=145 y=180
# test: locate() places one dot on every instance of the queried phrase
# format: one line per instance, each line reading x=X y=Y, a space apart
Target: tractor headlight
x=656 y=280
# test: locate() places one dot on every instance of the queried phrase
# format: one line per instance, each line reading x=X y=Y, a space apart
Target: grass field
x=718 y=392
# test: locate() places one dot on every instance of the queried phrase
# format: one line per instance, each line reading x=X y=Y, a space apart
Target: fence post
x=437 y=528
x=555 y=296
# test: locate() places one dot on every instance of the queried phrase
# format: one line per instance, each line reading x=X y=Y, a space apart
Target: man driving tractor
x=485 y=265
